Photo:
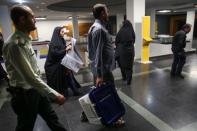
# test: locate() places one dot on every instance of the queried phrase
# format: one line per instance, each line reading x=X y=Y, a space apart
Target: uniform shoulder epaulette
x=19 y=40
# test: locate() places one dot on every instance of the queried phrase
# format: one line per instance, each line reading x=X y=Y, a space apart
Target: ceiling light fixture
x=20 y=1
x=164 y=11
x=40 y=18
x=70 y=17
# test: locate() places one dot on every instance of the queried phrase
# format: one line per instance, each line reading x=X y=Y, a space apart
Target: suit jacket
x=179 y=42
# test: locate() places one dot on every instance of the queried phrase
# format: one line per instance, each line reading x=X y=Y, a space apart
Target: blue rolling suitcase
x=107 y=103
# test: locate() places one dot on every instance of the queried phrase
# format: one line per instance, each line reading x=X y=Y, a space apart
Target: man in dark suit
x=178 y=45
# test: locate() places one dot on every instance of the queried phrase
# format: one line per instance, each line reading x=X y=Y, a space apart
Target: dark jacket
x=125 y=40
x=179 y=42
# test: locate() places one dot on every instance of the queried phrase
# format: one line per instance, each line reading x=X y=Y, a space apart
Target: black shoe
x=83 y=117
x=173 y=76
x=65 y=94
x=77 y=94
x=180 y=76
x=128 y=82
x=124 y=78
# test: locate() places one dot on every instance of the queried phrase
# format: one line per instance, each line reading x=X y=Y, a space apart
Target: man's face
x=187 y=30
x=30 y=21
x=105 y=15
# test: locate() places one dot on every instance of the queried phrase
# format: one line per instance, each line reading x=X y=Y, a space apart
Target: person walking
x=178 y=45
x=30 y=94
x=58 y=76
x=100 y=49
x=125 y=50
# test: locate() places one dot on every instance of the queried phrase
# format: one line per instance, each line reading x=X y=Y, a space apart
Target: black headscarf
x=126 y=33
x=56 y=39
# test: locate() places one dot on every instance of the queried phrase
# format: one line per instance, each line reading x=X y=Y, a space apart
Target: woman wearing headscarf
x=125 y=51
x=58 y=76
x=3 y=74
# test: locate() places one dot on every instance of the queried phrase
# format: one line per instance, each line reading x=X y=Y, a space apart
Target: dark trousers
x=178 y=63
x=126 y=73
x=27 y=104
x=123 y=73
x=3 y=74
x=72 y=83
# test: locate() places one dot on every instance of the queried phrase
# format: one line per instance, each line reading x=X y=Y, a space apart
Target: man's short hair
x=17 y=11
x=97 y=9
x=186 y=26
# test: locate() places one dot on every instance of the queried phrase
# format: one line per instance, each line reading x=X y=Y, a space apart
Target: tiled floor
x=171 y=102
x=69 y=115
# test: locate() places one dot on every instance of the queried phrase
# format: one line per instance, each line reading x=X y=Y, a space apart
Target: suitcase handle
x=93 y=87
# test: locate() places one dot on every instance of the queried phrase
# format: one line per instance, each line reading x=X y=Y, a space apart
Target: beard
x=30 y=25
x=31 y=28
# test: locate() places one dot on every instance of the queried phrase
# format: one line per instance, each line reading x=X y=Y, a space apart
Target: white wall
x=5 y=21
x=45 y=28
x=160 y=49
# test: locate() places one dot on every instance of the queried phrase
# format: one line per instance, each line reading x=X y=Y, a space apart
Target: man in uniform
x=30 y=95
x=178 y=45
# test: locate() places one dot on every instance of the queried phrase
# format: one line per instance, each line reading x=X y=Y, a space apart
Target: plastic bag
x=72 y=60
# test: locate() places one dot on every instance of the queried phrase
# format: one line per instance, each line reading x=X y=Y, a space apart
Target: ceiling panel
x=83 y=7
